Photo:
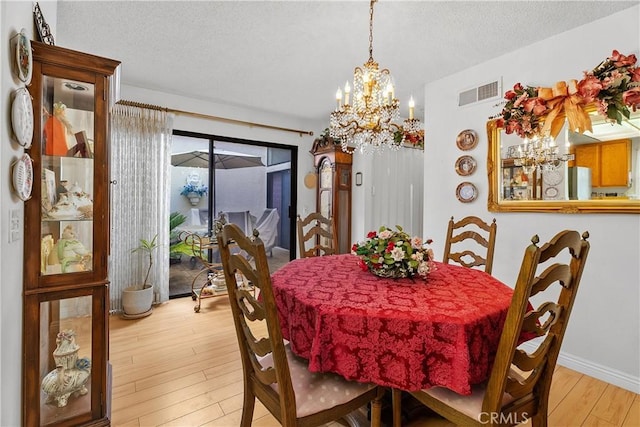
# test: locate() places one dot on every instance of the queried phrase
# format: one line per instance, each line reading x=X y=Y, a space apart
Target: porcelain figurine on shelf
x=73 y=255
x=71 y=374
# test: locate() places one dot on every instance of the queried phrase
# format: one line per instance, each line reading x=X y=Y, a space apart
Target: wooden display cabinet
x=333 y=167
x=66 y=294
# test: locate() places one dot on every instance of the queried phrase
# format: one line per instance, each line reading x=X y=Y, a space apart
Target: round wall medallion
x=311 y=180
x=466 y=192
x=467 y=140
x=22 y=117
x=465 y=165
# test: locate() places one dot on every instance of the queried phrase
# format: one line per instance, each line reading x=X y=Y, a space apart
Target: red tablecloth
x=403 y=333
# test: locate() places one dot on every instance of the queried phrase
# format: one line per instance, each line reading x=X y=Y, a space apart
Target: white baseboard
x=603 y=373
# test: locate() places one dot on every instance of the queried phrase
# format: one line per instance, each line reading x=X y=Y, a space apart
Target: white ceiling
x=289 y=57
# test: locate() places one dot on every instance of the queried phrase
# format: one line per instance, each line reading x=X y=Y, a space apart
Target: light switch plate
x=15 y=225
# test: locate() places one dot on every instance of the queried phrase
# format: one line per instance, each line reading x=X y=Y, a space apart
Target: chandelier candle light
x=366 y=122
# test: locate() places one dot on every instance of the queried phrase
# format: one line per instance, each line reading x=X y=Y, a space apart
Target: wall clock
x=466 y=192
x=22 y=117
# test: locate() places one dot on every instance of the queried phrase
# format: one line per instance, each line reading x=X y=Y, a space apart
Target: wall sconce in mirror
x=358 y=178
x=595 y=171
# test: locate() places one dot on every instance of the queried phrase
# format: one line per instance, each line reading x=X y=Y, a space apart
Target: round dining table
x=408 y=334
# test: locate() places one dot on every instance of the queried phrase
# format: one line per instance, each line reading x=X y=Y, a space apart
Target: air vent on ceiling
x=486 y=92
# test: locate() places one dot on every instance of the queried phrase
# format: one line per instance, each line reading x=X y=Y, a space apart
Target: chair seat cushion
x=317 y=391
x=470 y=405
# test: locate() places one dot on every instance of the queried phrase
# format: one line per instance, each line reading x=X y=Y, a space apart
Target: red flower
x=500 y=122
x=635 y=74
x=517 y=87
x=371 y=234
x=632 y=97
x=510 y=95
x=589 y=88
x=619 y=60
x=362 y=265
x=390 y=247
x=354 y=247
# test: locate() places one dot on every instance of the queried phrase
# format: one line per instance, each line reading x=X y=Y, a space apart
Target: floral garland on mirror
x=613 y=86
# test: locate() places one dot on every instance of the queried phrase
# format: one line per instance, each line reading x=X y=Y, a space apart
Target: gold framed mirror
x=594 y=172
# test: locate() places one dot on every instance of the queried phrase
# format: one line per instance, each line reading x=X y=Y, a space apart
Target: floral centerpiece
x=613 y=86
x=389 y=253
x=190 y=189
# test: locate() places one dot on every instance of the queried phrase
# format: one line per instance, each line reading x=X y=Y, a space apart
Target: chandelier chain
x=371 y=30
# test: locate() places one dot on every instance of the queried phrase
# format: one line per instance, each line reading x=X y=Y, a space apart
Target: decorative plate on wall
x=466 y=192
x=24 y=57
x=467 y=140
x=22 y=175
x=22 y=117
x=465 y=165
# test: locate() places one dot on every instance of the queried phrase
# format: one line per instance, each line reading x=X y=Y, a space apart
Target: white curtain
x=397 y=190
x=140 y=181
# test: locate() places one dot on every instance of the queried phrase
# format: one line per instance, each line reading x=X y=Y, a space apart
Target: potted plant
x=175 y=253
x=194 y=192
x=137 y=299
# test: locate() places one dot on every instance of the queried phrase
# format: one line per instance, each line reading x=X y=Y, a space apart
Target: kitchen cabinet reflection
x=596 y=171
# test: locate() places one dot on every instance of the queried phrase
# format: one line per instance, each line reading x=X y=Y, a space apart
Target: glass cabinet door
x=67 y=176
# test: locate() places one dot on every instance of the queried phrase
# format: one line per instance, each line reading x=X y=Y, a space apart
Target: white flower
x=423 y=268
x=386 y=234
x=397 y=254
x=417 y=256
x=416 y=242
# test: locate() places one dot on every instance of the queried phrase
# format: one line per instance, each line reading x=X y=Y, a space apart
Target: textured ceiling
x=289 y=57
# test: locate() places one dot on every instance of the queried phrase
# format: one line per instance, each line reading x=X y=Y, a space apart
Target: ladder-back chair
x=272 y=373
x=318 y=230
x=468 y=229
x=518 y=387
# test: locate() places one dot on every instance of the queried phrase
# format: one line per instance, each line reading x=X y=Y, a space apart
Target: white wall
x=14 y=16
x=602 y=338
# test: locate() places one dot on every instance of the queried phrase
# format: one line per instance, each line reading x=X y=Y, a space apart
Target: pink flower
x=416 y=242
x=535 y=105
x=635 y=74
x=632 y=97
x=509 y=95
x=512 y=126
x=619 y=60
x=520 y=100
x=589 y=88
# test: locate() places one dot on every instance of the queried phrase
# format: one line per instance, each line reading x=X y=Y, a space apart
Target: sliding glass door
x=247 y=182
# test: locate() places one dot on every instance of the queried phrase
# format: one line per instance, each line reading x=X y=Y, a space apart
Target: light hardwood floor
x=181 y=368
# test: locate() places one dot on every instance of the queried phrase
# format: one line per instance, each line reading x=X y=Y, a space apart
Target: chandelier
x=366 y=120
x=539 y=153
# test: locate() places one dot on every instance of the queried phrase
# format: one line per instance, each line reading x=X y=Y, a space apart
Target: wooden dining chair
x=272 y=373
x=318 y=230
x=518 y=387
x=468 y=229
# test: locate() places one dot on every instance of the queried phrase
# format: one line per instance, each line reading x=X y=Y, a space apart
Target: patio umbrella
x=222 y=159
